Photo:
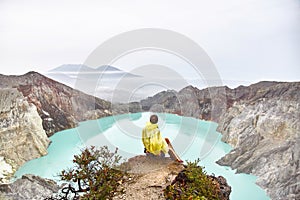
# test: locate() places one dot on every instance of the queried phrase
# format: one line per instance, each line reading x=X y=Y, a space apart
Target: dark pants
x=152 y=155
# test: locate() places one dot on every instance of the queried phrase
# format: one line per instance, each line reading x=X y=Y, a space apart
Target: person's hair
x=153 y=119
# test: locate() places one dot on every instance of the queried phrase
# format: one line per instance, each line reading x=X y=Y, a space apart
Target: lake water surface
x=190 y=137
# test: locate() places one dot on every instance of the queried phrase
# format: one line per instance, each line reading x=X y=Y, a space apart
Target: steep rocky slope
x=59 y=106
x=264 y=128
x=22 y=137
x=31 y=106
x=261 y=122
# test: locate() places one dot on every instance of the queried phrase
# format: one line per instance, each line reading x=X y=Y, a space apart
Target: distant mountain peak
x=72 y=68
x=107 y=68
x=83 y=68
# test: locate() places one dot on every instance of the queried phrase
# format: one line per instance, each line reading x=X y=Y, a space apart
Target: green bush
x=192 y=183
x=95 y=175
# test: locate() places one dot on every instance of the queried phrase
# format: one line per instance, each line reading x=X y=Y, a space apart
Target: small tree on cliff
x=95 y=175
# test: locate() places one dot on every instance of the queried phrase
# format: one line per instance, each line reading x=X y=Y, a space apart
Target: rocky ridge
x=261 y=122
x=59 y=106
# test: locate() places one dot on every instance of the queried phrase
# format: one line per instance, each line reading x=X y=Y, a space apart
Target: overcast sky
x=248 y=40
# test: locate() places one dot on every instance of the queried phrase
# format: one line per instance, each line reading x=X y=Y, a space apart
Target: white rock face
x=5 y=168
x=266 y=137
x=22 y=136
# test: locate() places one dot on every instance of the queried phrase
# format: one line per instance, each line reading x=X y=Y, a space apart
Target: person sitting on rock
x=154 y=143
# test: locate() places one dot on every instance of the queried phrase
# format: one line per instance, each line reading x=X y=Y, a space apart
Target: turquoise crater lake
x=190 y=137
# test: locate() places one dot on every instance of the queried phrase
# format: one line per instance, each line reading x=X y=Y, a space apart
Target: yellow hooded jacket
x=152 y=139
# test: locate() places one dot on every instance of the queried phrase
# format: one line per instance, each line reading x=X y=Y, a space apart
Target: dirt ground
x=148 y=176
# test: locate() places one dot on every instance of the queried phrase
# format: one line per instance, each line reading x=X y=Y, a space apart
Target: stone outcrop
x=261 y=122
x=59 y=106
x=149 y=176
x=22 y=136
x=28 y=187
